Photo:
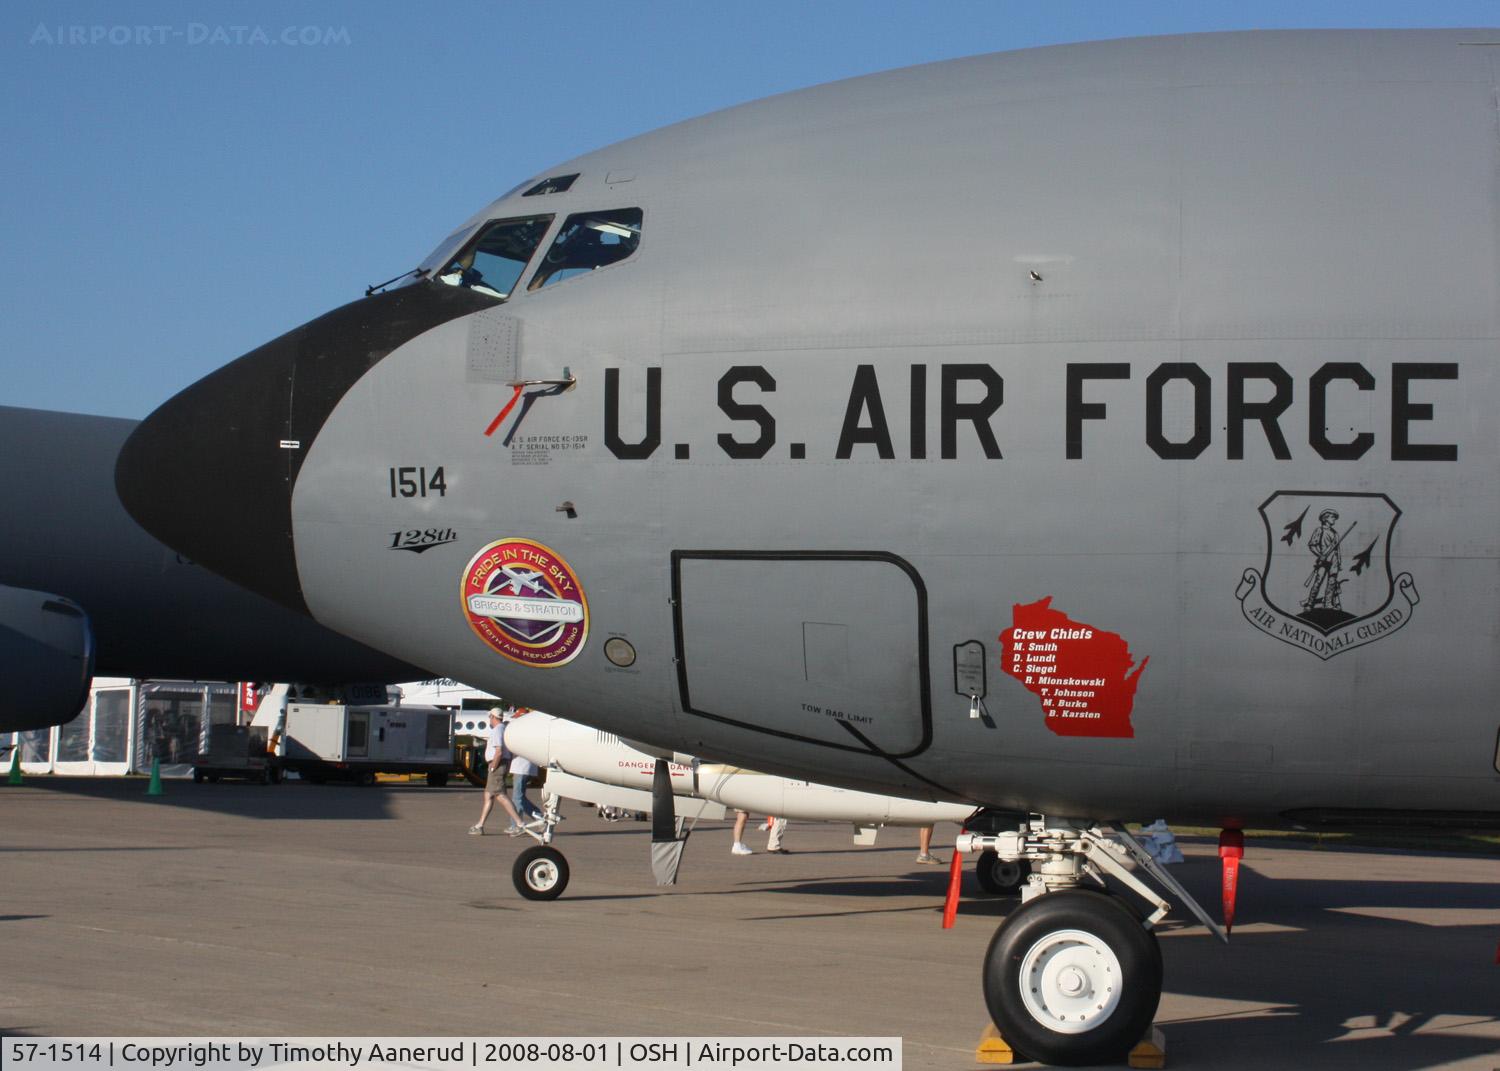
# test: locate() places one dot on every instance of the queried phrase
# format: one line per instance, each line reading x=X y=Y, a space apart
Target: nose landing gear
x=541 y=871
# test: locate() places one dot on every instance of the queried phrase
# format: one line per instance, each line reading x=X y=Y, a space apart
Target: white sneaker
x=741 y=848
x=476 y=831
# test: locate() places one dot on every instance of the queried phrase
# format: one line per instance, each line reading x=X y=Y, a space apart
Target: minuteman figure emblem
x=1345 y=595
x=1323 y=582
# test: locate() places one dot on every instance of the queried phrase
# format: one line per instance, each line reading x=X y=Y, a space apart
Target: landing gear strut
x=1073 y=976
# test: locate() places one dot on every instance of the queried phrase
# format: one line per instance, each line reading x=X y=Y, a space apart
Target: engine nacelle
x=47 y=649
x=592 y=753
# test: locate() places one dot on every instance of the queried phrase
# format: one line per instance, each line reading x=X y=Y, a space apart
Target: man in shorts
x=494 y=785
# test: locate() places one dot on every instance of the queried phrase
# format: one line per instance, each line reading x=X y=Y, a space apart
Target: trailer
x=343 y=742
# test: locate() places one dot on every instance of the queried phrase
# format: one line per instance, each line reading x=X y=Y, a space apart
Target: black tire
x=197 y=776
x=365 y=778
x=213 y=779
x=1033 y=936
x=1001 y=878
x=540 y=873
x=273 y=775
x=437 y=779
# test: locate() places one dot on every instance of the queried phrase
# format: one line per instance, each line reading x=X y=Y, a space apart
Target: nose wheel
x=1073 y=978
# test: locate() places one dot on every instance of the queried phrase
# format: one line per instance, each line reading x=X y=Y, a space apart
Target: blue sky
x=186 y=181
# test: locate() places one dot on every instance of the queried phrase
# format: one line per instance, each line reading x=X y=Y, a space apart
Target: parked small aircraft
x=598 y=767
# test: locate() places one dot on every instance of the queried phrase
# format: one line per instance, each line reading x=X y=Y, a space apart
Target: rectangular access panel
x=824 y=646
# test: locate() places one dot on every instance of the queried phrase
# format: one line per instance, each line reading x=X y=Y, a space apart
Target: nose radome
x=211 y=472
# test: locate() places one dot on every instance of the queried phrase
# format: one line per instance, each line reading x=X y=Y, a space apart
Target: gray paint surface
x=1263 y=208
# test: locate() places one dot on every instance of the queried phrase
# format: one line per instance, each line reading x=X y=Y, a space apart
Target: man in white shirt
x=494 y=785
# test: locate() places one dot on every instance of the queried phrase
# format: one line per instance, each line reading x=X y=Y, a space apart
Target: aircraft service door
x=357 y=743
x=827 y=647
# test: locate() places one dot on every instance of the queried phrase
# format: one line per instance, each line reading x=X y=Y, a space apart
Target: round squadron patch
x=525 y=601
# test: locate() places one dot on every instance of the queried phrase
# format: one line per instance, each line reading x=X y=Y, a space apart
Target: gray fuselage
x=897 y=361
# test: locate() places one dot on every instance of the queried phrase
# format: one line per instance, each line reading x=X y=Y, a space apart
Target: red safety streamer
x=1231 y=851
x=502 y=414
x=955 y=877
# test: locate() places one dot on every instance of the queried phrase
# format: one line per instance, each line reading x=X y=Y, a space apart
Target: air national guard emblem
x=1327 y=586
x=525 y=601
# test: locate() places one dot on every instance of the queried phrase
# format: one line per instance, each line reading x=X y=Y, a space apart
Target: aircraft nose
x=530 y=736
x=211 y=472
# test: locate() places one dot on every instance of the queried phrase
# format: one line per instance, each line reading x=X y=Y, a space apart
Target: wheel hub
x=1070 y=981
x=541 y=874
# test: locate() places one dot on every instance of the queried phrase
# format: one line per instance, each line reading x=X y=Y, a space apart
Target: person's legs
x=773 y=842
x=739 y=847
x=494 y=785
x=515 y=819
x=518 y=797
x=924 y=846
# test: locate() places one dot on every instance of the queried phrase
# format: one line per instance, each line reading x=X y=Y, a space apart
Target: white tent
x=126 y=724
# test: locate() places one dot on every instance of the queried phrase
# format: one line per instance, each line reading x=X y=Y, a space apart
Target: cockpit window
x=439 y=256
x=494 y=261
x=587 y=241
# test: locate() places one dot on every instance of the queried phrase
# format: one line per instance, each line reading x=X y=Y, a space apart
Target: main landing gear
x=1073 y=976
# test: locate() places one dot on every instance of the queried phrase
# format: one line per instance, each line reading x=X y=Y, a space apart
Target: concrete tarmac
x=299 y=910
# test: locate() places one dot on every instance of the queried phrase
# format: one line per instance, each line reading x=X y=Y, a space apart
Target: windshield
x=494 y=261
x=440 y=256
x=587 y=241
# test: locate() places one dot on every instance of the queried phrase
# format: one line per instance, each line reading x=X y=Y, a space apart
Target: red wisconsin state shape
x=1085 y=677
